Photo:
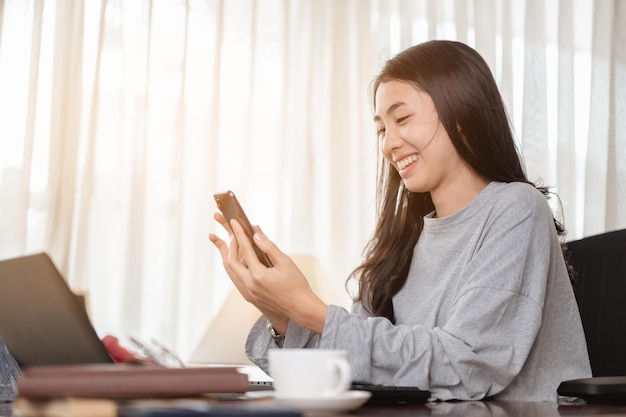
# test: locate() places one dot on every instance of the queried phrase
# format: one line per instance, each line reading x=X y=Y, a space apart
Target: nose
x=391 y=141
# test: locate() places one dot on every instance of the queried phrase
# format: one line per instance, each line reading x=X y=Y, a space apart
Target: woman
x=464 y=290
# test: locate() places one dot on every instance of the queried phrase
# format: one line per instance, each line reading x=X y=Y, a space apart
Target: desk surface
x=492 y=409
x=453 y=409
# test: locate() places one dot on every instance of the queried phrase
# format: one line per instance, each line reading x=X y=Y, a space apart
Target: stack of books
x=125 y=390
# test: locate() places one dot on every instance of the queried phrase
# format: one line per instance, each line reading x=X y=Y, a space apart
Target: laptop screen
x=42 y=321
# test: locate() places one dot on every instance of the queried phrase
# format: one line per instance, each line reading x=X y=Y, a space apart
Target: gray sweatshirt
x=487 y=309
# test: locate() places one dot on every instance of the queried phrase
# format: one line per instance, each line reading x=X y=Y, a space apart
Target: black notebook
x=601 y=389
x=381 y=394
x=392 y=395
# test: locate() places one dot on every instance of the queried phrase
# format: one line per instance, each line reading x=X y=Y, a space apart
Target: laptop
x=42 y=322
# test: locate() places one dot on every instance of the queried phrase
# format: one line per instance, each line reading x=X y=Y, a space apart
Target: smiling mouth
x=406 y=161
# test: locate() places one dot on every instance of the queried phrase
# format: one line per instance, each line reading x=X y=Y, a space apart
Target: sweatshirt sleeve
x=489 y=331
x=259 y=341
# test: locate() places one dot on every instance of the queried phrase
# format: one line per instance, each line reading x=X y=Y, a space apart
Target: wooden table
x=491 y=409
x=434 y=409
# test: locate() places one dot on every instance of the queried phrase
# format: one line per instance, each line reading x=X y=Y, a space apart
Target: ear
x=459 y=129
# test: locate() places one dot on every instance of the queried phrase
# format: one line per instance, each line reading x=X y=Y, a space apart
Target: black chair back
x=599 y=281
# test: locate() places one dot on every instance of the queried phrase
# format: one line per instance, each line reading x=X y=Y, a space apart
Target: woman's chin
x=414 y=186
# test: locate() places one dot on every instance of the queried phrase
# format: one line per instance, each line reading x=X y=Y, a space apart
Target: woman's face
x=413 y=139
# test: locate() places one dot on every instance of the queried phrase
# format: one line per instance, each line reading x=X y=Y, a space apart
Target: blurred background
x=119 y=119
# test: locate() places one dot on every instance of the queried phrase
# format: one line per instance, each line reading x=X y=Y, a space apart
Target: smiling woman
x=120 y=119
x=464 y=290
x=424 y=160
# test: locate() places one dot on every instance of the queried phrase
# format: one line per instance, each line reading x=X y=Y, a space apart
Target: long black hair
x=472 y=111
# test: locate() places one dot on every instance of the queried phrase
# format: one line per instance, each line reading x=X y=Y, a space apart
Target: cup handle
x=345 y=377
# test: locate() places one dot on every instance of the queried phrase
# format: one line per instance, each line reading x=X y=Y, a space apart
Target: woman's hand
x=281 y=292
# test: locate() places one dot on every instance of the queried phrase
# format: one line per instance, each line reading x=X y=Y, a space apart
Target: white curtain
x=120 y=118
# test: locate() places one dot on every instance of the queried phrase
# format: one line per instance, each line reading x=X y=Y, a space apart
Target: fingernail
x=258 y=236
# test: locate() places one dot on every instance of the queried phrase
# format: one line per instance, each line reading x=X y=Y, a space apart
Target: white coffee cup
x=309 y=373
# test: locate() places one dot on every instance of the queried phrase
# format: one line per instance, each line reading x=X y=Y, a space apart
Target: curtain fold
x=121 y=118
x=596 y=192
x=535 y=111
x=65 y=125
x=22 y=202
x=616 y=193
x=566 y=173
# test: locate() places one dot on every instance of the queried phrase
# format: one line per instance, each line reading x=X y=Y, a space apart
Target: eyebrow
x=391 y=109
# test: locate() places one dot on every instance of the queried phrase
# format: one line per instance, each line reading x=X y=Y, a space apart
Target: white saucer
x=346 y=401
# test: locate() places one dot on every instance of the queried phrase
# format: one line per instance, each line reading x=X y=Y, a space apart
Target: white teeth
x=406 y=162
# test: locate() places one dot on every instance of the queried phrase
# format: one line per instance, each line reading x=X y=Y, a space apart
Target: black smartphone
x=231 y=209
